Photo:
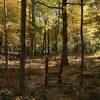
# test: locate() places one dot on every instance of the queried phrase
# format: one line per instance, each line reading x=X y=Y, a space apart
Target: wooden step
x=53 y=73
x=53 y=78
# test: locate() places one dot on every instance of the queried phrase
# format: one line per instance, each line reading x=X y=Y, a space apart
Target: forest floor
x=70 y=88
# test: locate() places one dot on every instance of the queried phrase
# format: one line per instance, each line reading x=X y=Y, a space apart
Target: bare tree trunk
x=45 y=42
x=23 y=46
x=57 y=32
x=6 y=35
x=55 y=42
x=64 y=59
x=56 y=37
x=29 y=45
x=33 y=37
x=48 y=42
x=44 y=49
x=82 y=43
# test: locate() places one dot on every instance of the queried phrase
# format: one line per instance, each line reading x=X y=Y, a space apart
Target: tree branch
x=41 y=3
x=52 y=7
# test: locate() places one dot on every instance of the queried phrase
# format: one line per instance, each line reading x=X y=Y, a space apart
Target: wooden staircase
x=52 y=76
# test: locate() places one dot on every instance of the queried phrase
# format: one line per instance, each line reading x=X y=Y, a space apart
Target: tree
x=9 y=19
x=23 y=46
x=33 y=35
x=64 y=59
x=6 y=35
x=82 y=43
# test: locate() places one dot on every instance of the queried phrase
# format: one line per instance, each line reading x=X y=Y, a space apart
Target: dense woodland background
x=49 y=49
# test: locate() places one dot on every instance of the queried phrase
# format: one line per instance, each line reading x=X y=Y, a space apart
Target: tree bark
x=33 y=36
x=82 y=43
x=64 y=59
x=23 y=46
x=55 y=41
x=6 y=35
x=48 y=41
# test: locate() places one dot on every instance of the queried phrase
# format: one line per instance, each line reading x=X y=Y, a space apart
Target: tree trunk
x=29 y=45
x=6 y=35
x=64 y=59
x=44 y=49
x=48 y=42
x=34 y=46
x=33 y=37
x=56 y=36
x=23 y=46
x=82 y=43
x=44 y=43
x=55 y=42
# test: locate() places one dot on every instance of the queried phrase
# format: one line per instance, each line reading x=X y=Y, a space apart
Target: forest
x=49 y=49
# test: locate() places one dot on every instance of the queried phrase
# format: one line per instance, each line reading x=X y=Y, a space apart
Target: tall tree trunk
x=6 y=35
x=64 y=59
x=55 y=42
x=23 y=46
x=45 y=42
x=29 y=45
x=57 y=32
x=33 y=35
x=82 y=43
x=48 y=39
x=56 y=36
x=44 y=49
